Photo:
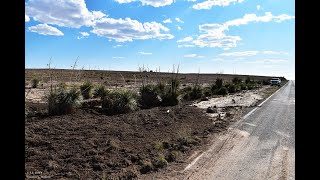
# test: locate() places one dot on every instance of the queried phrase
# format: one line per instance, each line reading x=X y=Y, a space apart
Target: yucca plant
x=35 y=82
x=100 y=91
x=119 y=102
x=63 y=101
x=86 y=89
x=150 y=96
x=218 y=83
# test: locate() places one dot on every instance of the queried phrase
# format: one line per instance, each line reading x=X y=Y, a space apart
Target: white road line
x=247 y=115
x=272 y=95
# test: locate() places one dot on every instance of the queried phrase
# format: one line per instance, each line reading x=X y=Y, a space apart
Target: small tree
x=35 y=82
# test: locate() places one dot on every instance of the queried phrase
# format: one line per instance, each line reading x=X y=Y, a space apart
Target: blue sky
x=228 y=36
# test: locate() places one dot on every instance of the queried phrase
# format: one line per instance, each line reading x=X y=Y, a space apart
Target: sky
x=252 y=37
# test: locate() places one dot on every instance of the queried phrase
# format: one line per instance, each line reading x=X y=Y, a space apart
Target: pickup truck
x=275 y=81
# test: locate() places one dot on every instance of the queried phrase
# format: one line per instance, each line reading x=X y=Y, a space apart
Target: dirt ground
x=91 y=145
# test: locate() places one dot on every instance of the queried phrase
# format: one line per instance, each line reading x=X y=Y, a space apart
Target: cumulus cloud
x=63 y=13
x=154 y=3
x=192 y=56
x=167 y=21
x=45 y=29
x=145 y=53
x=122 y=30
x=214 y=35
x=179 y=20
x=26 y=18
x=210 y=3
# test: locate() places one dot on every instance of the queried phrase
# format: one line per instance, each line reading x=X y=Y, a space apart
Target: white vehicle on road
x=275 y=81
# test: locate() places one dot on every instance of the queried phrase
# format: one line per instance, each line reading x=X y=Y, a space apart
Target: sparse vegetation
x=160 y=162
x=100 y=91
x=119 y=102
x=223 y=91
x=63 y=101
x=236 y=80
x=86 y=88
x=218 y=83
x=150 y=96
x=232 y=88
x=146 y=167
x=35 y=82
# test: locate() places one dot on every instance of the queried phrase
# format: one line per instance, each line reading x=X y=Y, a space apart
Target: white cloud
x=117 y=57
x=268 y=61
x=253 y=53
x=191 y=0
x=45 y=29
x=214 y=35
x=275 y=53
x=185 y=45
x=243 y=53
x=84 y=34
x=186 y=39
x=118 y=45
x=26 y=18
x=192 y=56
x=145 y=53
x=179 y=20
x=258 y=7
x=210 y=3
x=167 y=21
x=63 y=13
x=179 y=28
x=154 y=3
x=122 y=30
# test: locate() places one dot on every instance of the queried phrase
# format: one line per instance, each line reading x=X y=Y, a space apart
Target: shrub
x=214 y=89
x=251 y=86
x=146 y=167
x=100 y=91
x=218 y=83
x=243 y=86
x=248 y=80
x=207 y=91
x=236 y=80
x=232 y=88
x=194 y=92
x=62 y=85
x=223 y=91
x=86 y=89
x=170 y=96
x=160 y=162
x=62 y=101
x=149 y=96
x=119 y=102
x=35 y=82
x=173 y=156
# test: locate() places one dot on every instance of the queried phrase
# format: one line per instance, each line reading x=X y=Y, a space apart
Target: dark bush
x=218 y=83
x=223 y=91
x=150 y=96
x=236 y=80
x=100 y=91
x=35 y=82
x=232 y=88
x=86 y=89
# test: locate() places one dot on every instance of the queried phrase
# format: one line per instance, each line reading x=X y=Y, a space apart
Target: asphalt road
x=261 y=146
